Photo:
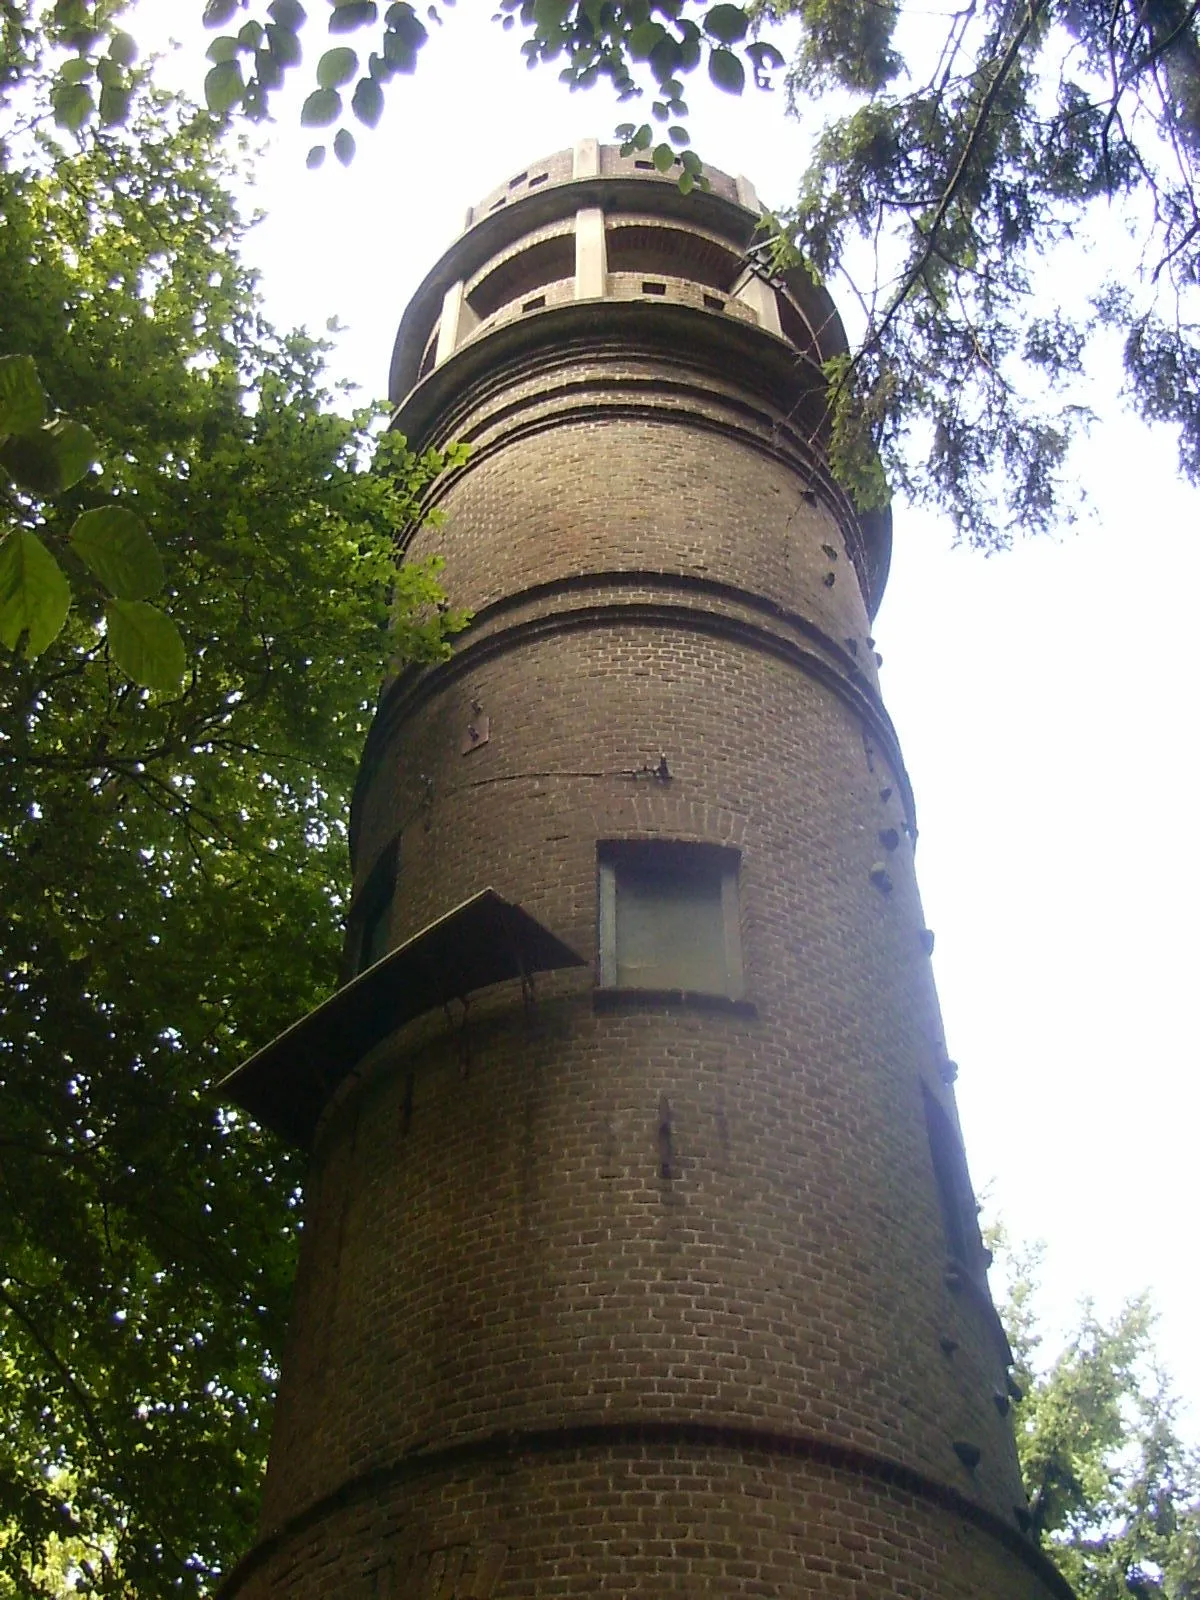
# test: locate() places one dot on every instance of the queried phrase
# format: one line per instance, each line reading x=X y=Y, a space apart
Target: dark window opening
x=535 y=304
x=650 y=287
x=547 y=261
x=496 y=204
x=955 y=1197
x=373 y=942
x=538 y=177
x=370 y=920
x=795 y=329
x=714 y=302
x=644 y=166
x=656 y=250
x=669 y=917
x=515 y=183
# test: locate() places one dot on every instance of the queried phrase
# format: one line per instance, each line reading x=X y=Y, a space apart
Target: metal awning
x=485 y=940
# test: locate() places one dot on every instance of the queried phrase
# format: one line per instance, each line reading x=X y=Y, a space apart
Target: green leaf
x=315 y=157
x=726 y=71
x=343 y=146
x=74 y=447
x=146 y=644
x=218 y=12
x=22 y=401
x=267 y=70
x=643 y=39
x=122 y=47
x=223 y=48
x=283 y=44
x=727 y=23
x=78 y=70
x=549 y=15
x=678 y=135
x=322 y=107
x=405 y=28
x=114 y=104
x=398 y=54
x=663 y=157
x=765 y=57
x=50 y=459
x=223 y=87
x=352 y=14
x=288 y=14
x=73 y=105
x=665 y=58
x=34 y=593
x=336 y=67
x=115 y=544
x=689 y=51
x=250 y=35
x=367 y=103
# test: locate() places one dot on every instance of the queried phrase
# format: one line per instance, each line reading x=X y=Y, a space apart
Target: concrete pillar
x=747 y=194
x=457 y=321
x=587 y=159
x=591 y=255
x=752 y=291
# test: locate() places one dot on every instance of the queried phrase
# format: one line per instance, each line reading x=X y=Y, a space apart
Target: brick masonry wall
x=649 y=1521
x=742 y=1369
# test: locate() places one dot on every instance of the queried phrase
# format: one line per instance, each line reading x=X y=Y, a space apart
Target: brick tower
x=640 y=1255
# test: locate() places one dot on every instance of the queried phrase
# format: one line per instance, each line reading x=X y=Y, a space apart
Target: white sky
x=1041 y=696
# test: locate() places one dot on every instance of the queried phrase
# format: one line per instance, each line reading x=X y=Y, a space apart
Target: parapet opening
x=547 y=261
x=795 y=328
x=673 y=253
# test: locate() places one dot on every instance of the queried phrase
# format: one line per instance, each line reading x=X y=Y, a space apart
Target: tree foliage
x=41 y=457
x=957 y=153
x=1113 y=1491
x=172 y=862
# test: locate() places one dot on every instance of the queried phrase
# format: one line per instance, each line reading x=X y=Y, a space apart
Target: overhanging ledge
x=486 y=939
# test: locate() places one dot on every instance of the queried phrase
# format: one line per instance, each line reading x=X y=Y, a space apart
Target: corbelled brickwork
x=604 y=1290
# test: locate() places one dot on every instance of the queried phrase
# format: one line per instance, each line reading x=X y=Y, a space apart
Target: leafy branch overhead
x=595 y=39
x=43 y=458
x=956 y=158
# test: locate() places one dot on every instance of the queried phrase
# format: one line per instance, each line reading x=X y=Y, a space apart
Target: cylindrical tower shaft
x=660 y=1274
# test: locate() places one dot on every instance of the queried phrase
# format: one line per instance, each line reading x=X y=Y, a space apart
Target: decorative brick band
x=708 y=409
x=413 y=689
x=618 y=1437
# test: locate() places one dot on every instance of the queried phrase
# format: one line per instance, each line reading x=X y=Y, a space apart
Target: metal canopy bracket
x=486 y=940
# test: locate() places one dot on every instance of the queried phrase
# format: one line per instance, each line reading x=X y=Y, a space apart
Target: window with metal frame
x=669 y=917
